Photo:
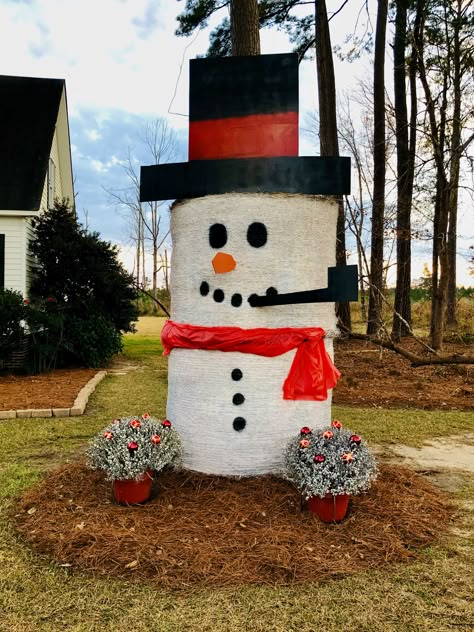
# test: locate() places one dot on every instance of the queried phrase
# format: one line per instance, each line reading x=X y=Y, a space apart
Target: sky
x=124 y=67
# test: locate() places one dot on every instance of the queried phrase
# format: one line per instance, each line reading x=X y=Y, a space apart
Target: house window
x=51 y=183
x=2 y=261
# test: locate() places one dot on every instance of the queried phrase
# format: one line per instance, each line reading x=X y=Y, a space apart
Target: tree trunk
x=154 y=223
x=142 y=233
x=138 y=247
x=439 y=296
x=244 y=27
x=451 y=306
x=167 y=287
x=451 y=319
x=378 y=204
x=440 y=222
x=405 y=176
x=155 y=273
x=329 y=145
x=360 y=247
x=435 y=253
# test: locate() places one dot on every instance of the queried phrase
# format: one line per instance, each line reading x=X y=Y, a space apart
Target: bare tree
x=164 y=268
x=145 y=219
x=358 y=143
x=445 y=50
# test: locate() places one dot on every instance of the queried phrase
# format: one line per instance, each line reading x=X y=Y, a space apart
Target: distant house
x=35 y=167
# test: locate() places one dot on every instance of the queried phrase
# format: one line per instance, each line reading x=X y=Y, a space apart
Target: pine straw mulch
x=56 y=389
x=201 y=530
x=376 y=377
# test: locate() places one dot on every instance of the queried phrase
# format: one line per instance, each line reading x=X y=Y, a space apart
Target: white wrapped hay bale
x=229 y=406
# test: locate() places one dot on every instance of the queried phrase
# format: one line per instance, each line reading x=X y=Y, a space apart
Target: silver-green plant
x=332 y=460
x=130 y=446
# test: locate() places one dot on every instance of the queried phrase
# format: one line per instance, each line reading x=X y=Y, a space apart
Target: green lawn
x=434 y=593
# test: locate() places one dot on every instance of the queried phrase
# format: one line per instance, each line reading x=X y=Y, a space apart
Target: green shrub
x=46 y=327
x=92 y=339
x=82 y=297
x=12 y=316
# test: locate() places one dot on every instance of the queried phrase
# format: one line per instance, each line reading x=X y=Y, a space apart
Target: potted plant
x=130 y=450
x=328 y=466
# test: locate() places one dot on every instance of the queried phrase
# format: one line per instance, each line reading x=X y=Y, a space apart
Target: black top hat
x=243 y=135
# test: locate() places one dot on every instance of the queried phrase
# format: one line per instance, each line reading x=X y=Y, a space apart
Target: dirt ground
x=371 y=377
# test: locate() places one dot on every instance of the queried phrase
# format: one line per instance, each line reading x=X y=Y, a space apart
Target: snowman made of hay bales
x=253 y=278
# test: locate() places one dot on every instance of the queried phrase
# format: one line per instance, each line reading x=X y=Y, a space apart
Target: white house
x=35 y=167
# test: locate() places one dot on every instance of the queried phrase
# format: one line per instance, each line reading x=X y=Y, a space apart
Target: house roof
x=29 y=110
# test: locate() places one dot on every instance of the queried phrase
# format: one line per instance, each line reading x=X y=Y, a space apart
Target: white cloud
x=93 y=134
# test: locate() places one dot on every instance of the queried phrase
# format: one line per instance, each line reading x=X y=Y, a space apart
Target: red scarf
x=312 y=372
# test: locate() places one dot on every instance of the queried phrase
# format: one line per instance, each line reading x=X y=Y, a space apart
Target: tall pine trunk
x=405 y=176
x=451 y=317
x=329 y=145
x=440 y=275
x=244 y=27
x=378 y=204
x=440 y=259
x=440 y=292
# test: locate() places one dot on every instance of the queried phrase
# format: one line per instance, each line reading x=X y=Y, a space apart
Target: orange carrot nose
x=223 y=262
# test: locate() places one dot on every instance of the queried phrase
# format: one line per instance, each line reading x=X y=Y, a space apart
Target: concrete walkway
x=452 y=453
x=447 y=461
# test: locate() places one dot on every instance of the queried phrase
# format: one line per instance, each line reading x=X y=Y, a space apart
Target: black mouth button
x=218 y=296
x=204 y=289
x=271 y=291
x=236 y=300
x=239 y=424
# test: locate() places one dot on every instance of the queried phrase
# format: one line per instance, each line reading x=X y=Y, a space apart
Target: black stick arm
x=342 y=287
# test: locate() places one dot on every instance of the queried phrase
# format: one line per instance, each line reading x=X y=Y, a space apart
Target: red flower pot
x=134 y=491
x=330 y=508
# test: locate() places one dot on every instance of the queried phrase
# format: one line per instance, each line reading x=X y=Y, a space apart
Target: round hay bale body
x=229 y=406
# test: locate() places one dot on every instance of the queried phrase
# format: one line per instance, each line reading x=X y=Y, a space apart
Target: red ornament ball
x=328 y=434
x=108 y=435
x=135 y=423
x=336 y=424
x=304 y=443
x=356 y=439
x=132 y=445
x=156 y=439
x=305 y=430
x=319 y=458
x=347 y=457
x=166 y=423
x=146 y=416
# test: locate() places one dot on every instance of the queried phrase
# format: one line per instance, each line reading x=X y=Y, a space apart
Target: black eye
x=217 y=235
x=257 y=234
